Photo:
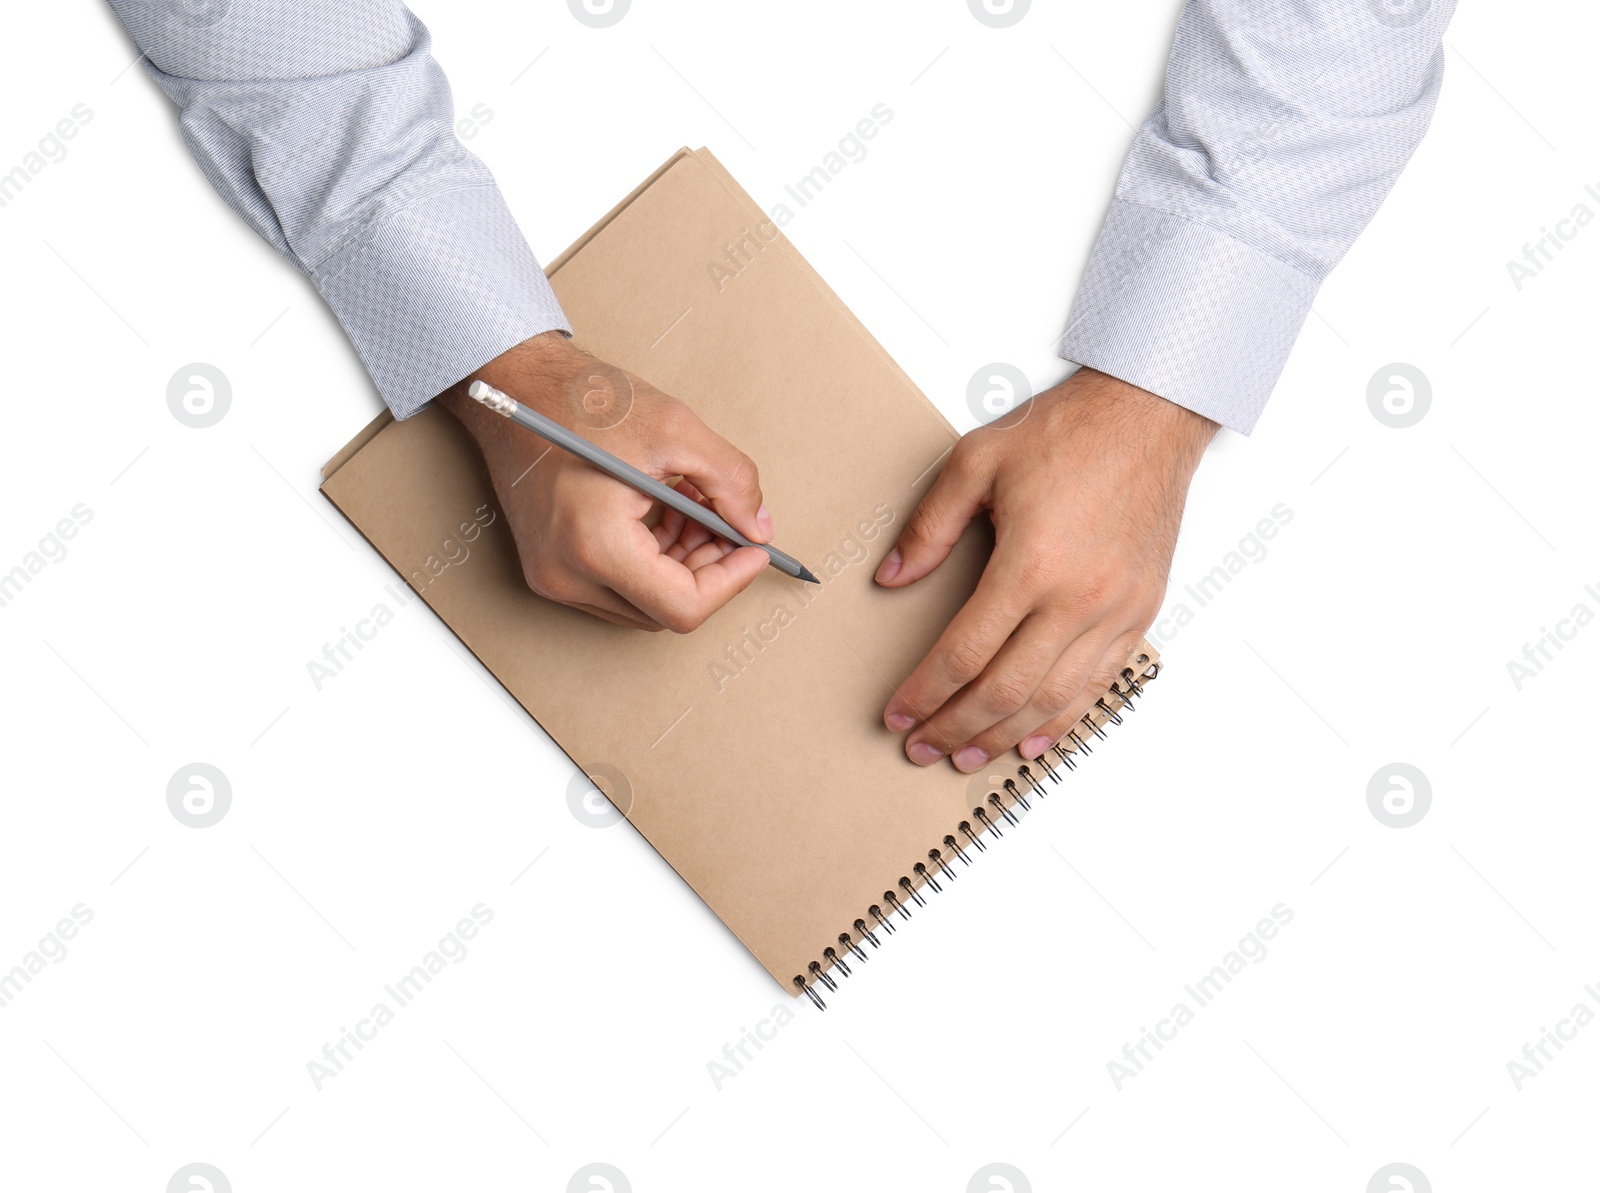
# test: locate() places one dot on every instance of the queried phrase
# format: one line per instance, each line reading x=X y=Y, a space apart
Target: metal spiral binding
x=1109 y=709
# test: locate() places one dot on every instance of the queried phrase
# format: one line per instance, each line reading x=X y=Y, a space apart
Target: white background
x=370 y=816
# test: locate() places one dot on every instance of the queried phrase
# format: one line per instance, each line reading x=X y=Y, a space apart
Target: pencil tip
x=806 y=575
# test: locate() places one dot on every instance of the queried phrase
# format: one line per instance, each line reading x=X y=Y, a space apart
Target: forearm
x=329 y=128
x=1282 y=128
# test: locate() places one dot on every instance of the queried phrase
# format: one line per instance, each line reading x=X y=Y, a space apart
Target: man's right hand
x=579 y=533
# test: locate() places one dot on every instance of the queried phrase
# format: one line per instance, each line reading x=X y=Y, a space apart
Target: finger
x=632 y=623
x=1005 y=687
x=693 y=537
x=706 y=553
x=667 y=592
x=719 y=572
x=668 y=530
x=690 y=541
x=721 y=472
x=937 y=522
x=677 y=533
x=595 y=598
x=1067 y=688
x=559 y=576
x=1105 y=671
x=968 y=643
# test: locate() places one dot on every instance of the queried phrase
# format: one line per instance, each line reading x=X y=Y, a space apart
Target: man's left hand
x=1086 y=487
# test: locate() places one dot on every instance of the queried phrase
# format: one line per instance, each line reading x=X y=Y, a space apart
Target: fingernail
x=890 y=567
x=923 y=754
x=969 y=759
x=899 y=722
x=1032 y=747
x=764 y=523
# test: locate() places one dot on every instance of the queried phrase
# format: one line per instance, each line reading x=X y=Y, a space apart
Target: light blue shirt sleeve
x=328 y=126
x=1282 y=127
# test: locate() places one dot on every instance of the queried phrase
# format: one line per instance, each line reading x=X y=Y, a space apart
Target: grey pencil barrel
x=554 y=432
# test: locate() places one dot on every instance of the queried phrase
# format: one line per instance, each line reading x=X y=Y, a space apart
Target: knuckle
x=918 y=531
x=959 y=465
x=1007 y=692
x=1095 y=588
x=741 y=472
x=968 y=453
x=675 y=418
x=1100 y=680
x=964 y=661
x=682 y=621
x=657 y=420
x=546 y=579
x=583 y=553
x=1092 y=591
x=1057 y=692
x=1036 y=573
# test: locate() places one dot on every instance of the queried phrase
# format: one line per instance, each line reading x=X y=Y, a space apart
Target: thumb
x=723 y=474
x=936 y=524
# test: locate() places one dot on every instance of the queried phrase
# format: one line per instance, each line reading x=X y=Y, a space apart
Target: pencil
x=554 y=432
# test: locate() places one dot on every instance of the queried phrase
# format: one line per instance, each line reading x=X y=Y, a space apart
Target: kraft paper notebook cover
x=750 y=753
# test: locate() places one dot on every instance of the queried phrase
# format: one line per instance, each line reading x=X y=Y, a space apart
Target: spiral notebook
x=750 y=753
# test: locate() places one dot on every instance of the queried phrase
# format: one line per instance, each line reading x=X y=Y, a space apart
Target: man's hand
x=579 y=533
x=1086 y=492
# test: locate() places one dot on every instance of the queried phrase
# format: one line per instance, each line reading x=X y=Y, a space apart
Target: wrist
x=1140 y=416
x=537 y=372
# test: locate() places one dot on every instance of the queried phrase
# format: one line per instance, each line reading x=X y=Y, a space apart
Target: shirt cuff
x=436 y=291
x=1187 y=312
